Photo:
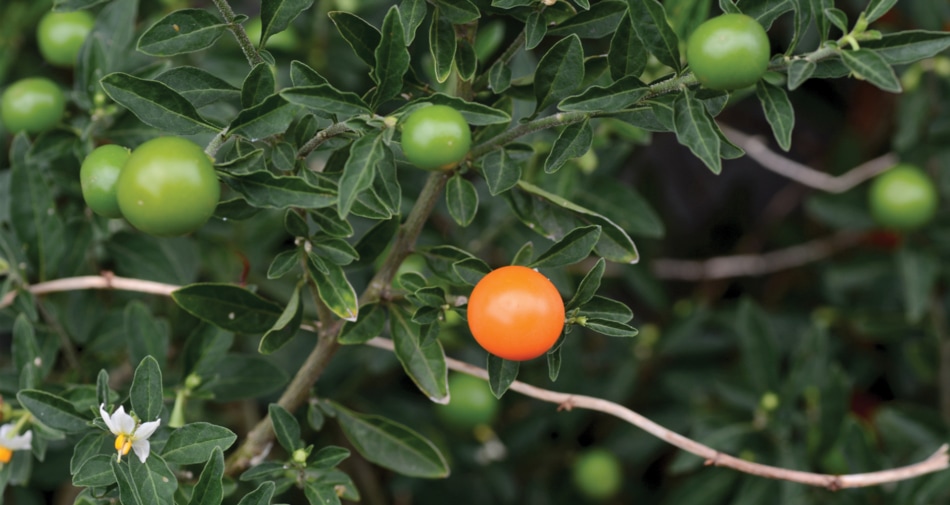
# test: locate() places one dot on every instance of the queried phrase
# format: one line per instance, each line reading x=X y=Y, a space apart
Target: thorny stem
x=250 y=52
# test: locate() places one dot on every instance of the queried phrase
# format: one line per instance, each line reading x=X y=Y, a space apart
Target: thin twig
x=748 y=265
x=759 y=151
x=104 y=281
x=938 y=461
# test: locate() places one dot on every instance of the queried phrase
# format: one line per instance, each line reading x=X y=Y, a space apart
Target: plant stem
x=216 y=143
x=504 y=58
x=250 y=52
x=321 y=137
x=559 y=119
x=298 y=391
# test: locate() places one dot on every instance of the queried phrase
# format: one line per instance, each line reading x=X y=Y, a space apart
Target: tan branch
x=740 y=265
x=938 y=461
x=759 y=151
x=104 y=281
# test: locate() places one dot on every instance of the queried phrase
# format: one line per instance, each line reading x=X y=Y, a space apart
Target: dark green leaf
x=767 y=12
x=229 y=307
x=196 y=443
x=778 y=111
x=553 y=359
x=878 y=8
x=336 y=250
x=422 y=359
x=209 y=490
x=260 y=496
x=621 y=204
x=286 y=326
x=466 y=62
x=335 y=290
x=499 y=77
x=146 y=391
x=25 y=349
x=155 y=104
x=329 y=457
x=918 y=272
x=573 y=247
x=258 y=85
x=360 y=169
x=696 y=130
x=588 y=286
x=95 y=472
x=626 y=57
x=149 y=483
x=458 y=12
x=72 y=5
x=601 y=20
x=474 y=113
x=621 y=94
x=559 y=73
x=270 y=117
x=33 y=212
x=181 y=31
x=198 y=86
x=501 y=373
x=286 y=428
x=653 y=29
x=265 y=190
x=145 y=335
x=867 y=64
x=461 y=200
x=471 y=270
x=909 y=45
x=535 y=28
x=320 y=494
x=759 y=353
x=391 y=445
x=413 y=14
x=599 y=307
x=325 y=99
x=500 y=172
x=573 y=142
x=241 y=376
x=392 y=59
x=276 y=15
x=610 y=328
x=369 y=324
x=363 y=37
x=442 y=45
x=52 y=410
x=799 y=71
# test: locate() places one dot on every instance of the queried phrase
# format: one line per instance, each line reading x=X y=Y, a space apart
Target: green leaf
x=559 y=72
x=422 y=359
x=360 y=169
x=196 y=442
x=919 y=272
x=500 y=172
x=413 y=13
x=209 y=490
x=619 y=95
x=759 y=354
x=392 y=59
x=626 y=57
x=838 y=18
x=442 y=45
x=573 y=247
x=286 y=326
x=229 y=307
x=878 y=8
x=329 y=457
x=270 y=117
x=320 y=494
x=182 y=31
x=621 y=204
x=471 y=270
x=335 y=290
x=276 y=15
x=696 y=130
x=867 y=64
x=258 y=85
x=909 y=46
x=325 y=99
x=474 y=113
x=198 y=86
x=466 y=62
x=155 y=104
x=553 y=359
x=573 y=142
x=588 y=286
x=95 y=472
x=149 y=483
x=145 y=335
x=73 y=5
x=610 y=328
x=391 y=445
x=499 y=77
x=535 y=28
x=800 y=71
x=458 y=12
x=52 y=410
x=286 y=428
x=260 y=496
x=778 y=111
x=599 y=307
x=33 y=212
x=600 y=21
x=653 y=29
x=767 y=12
x=363 y=37
x=554 y=217
x=501 y=373
x=146 y=391
x=24 y=348
x=461 y=200
x=241 y=376
x=266 y=190
x=369 y=324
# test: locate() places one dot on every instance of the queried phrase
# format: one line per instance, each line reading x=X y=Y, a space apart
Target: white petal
x=141 y=448
x=145 y=430
x=6 y=428
x=123 y=422
x=106 y=418
x=20 y=443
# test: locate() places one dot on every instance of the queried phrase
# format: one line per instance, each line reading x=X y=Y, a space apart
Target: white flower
x=129 y=434
x=10 y=441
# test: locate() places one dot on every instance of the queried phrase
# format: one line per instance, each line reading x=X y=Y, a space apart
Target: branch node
x=107 y=276
x=834 y=483
x=713 y=461
x=567 y=405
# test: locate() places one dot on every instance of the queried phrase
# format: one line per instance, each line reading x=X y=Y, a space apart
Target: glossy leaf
x=501 y=373
x=422 y=359
x=867 y=64
x=155 y=104
x=392 y=445
x=559 y=73
x=778 y=111
x=196 y=443
x=146 y=391
x=52 y=410
x=573 y=142
x=461 y=200
x=229 y=307
x=286 y=428
x=181 y=31
x=392 y=59
x=335 y=290
x=696 y=130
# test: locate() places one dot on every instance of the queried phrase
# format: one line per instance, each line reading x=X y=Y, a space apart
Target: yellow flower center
x=123 y=443
x=5 y=454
